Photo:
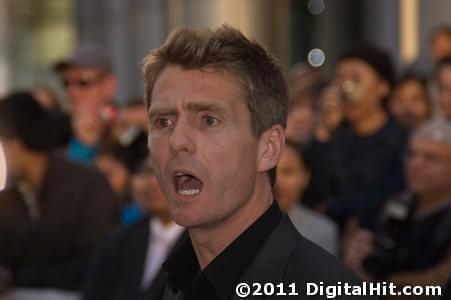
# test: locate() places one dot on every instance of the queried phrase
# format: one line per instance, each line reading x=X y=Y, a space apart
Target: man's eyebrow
x=204 y=106
x=193 y=106
x=158 y=111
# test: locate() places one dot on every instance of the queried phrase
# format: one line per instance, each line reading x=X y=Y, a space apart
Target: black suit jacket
x=117 y=269
x=287 y=257
x=77 y=208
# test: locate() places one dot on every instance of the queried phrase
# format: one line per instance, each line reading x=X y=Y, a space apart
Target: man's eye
x=210 y=121
x=163 y=123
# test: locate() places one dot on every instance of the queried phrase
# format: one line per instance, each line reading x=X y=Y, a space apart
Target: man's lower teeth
x=189 y=192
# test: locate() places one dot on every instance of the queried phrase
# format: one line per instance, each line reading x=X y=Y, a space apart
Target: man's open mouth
x=187 y=184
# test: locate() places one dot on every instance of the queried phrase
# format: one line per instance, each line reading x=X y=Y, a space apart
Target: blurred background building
x=35 y=34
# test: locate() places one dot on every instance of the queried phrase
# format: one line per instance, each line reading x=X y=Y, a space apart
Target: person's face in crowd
x=206 y=158
x=292 y=178
x=116 y=172
x=429 y=166
x=331 y=108
x=88 y=89
x=367 y=91
x=445 y=90
x=440 y=46
x=300 y=123
x=409 y=103
x=148 y=194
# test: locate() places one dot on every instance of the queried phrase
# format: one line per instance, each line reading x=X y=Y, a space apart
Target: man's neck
x=372 y=123
x=209 y=242
x=431 y=201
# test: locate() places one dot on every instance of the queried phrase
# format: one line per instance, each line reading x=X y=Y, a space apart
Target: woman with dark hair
x=293 y=175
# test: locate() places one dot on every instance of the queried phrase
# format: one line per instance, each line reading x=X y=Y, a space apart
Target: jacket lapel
x=271 y=260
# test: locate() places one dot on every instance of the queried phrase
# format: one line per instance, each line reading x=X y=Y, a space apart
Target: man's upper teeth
x=189 y=192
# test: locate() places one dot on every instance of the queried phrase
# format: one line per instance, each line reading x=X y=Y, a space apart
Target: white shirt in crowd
x=162 y=239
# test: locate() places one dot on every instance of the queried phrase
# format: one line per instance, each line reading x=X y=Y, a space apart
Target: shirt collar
x=169 y=232
x=227 y=268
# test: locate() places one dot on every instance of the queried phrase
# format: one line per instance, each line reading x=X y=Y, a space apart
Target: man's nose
x=73 y=91
x=182 y=138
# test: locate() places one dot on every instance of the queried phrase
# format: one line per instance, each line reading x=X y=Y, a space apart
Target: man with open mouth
x=217 y=110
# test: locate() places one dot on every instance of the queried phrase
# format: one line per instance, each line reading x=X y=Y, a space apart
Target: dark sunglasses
x=82 y=82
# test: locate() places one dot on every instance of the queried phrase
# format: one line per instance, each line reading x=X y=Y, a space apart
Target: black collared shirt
x=218 y=279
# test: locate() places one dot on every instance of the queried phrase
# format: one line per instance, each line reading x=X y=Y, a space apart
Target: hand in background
x=330 y=114
x=358 y=245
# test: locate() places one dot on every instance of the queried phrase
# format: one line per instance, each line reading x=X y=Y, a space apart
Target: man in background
x=90 y=85
x=411 y=242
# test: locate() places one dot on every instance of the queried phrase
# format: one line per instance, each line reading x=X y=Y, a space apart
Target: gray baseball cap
x=86 y=55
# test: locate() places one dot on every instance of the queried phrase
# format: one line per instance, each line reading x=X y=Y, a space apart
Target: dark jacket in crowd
x=353 y=172
x=418 y=241
x=117 y=269
x=51 y=248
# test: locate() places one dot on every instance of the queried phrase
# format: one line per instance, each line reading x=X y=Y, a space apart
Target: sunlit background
x=34 y=34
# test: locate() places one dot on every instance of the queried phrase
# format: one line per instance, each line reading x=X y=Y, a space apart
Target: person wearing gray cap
x=411 y=243
x=90 y=84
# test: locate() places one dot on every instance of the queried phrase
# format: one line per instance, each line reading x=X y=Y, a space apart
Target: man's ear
x=270 y=147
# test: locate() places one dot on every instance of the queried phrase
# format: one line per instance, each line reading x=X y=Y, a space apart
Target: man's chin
x=186 y=221
x=184 y=216
x=190 y=218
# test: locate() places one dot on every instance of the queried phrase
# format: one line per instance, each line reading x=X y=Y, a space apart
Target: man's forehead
x=441 y=35
x=430 y=144
x=177 y=75
x=194 y=90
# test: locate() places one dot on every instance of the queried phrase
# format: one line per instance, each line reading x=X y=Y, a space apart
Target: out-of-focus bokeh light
x=3 y=168
x=316 y=57
x=316 y=7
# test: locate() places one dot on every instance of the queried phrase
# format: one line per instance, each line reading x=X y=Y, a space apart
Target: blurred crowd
x=365 y=174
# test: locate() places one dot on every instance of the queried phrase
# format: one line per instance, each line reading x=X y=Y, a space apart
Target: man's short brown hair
x=226 y=49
